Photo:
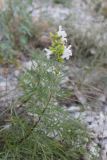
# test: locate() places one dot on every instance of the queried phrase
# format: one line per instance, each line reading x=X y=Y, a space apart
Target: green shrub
x=15 y=28
x=66 y=3
x=45 y=130
x=59 y=1
x=87 y=32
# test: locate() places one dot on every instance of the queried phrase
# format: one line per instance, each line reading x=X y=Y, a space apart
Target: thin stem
x=35 y=125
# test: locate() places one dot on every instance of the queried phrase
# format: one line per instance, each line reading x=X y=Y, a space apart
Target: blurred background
x=25 y=27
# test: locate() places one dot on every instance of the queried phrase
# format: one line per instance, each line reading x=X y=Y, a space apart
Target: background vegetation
x=38 y=127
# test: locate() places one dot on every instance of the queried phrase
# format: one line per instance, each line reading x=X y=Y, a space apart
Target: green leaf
x=23 y=40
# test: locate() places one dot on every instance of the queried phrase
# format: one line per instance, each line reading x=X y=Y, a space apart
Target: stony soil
x=78 y=106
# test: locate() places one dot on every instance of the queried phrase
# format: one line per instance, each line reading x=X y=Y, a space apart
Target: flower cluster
x=59 y=46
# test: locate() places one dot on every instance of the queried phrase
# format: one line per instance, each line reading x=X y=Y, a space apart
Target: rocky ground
x=79 y=104
x=94 y=118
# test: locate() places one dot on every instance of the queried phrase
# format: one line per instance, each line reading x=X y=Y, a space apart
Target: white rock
x=4 y=85
x=73 y=109
x=94 y=127
x=101 y=118
x=30 y=8
x=17 y=73
x=66 y=79
x=89 y=119
x=104 y=135
x=30 y=65
x=102 y=98
x=104 y=153
x=76 y=115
